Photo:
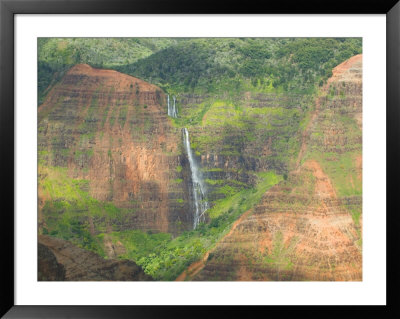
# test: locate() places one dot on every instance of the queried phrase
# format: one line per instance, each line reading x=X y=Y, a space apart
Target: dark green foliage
x=66 y=220
x=57 y=55
x=215 y=65
x=48 y=75
x=318 y=56
x=255 y=56
x=187 y=64
x=170 y=258
x=201 y=64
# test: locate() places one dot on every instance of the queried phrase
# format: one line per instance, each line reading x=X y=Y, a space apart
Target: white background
x=370 y=291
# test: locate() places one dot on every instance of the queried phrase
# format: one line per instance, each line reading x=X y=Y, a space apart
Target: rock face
x=59 y=260
x=49 y=269
x=308 y=227
x=113 y=130
x=237 y=137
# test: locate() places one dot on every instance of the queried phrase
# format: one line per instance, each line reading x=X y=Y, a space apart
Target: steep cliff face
x=235 y=137
x=308 y=227
x=112 y=130
x=59 y=260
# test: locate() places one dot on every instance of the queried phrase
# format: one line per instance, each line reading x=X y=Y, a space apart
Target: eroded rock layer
x=112 y=130
x=308 y=227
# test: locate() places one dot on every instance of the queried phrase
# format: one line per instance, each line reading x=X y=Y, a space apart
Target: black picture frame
x=8 y=9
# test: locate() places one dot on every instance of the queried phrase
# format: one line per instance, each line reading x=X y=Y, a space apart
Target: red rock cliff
x=112 y=129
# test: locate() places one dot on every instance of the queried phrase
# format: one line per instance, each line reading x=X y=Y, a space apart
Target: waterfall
x=172 y=111
x=198 y=189
x=169 y=109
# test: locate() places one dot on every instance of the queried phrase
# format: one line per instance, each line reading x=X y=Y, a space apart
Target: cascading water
x=169 y=109
x=198 y=189
x=172 y=111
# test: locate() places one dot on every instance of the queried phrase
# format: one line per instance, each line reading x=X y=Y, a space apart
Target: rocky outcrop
x=308 y=227
x=49 y=269
x=59 y=260
x=113 y=130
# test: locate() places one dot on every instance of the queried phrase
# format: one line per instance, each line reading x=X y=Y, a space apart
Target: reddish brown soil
x=323 y=185
x=339 y=71
x=359 y=167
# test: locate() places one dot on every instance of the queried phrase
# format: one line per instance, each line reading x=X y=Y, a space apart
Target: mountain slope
x=309 y=226
x=107 y=147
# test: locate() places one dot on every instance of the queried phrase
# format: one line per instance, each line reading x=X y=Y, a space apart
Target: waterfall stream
x=172 y=111
x=198 y=189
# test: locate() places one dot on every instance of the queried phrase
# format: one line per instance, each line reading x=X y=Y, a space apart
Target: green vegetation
x=164 y=258
x=279 y=258
x=250 y=101
x=57 y=55
x=246 y=198
x=72 y=214
x=71 y=211
x=123 y=111
x=240 y=64
x=340 y=169
x=202 y=64
x=355 y=214
x=139 y=244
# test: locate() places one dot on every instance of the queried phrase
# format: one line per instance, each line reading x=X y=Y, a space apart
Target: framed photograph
x=160 y=155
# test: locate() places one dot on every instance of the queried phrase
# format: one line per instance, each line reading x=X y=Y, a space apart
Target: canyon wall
x=112 y=130
x=309 y=226
x=236 y=137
